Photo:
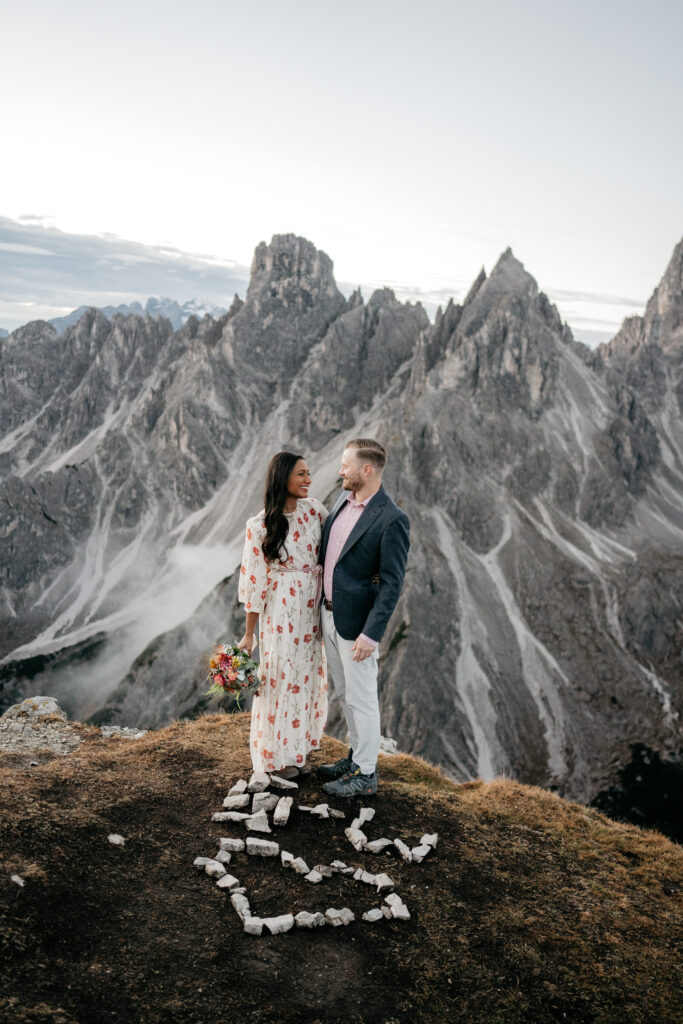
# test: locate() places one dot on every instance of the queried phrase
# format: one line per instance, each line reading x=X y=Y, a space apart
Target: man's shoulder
x=391 y=511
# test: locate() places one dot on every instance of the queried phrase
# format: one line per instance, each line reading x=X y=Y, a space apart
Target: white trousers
x=355 y=683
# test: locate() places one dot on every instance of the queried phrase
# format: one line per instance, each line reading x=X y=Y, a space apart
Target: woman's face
x=299 y=480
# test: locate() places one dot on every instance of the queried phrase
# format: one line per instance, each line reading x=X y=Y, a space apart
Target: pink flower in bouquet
x=218 y=678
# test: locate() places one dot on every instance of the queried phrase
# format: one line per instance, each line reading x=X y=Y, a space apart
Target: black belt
x=328 y=604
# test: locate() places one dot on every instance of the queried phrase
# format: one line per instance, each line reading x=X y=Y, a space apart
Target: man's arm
x=393 y=555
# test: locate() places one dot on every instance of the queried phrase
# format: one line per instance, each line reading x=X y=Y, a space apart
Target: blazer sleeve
x=393 y=555
x=253 y=584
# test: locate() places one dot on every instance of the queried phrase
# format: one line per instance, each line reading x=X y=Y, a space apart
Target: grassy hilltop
x=531 y=909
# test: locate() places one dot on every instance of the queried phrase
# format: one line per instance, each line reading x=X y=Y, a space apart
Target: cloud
x=52 y=271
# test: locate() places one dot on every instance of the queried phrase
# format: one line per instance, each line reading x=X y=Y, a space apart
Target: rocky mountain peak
x=289 y=273
x=664 y=310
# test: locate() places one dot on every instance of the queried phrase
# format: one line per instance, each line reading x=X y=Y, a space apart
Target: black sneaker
x=330 y=772
x=354 y=783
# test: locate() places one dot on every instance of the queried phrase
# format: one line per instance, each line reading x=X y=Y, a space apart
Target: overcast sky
x=413 y=142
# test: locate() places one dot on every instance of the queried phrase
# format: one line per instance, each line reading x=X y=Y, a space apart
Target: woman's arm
x=247 y=641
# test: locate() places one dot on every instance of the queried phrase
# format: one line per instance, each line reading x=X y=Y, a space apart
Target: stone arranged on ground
x=364 y=876
x=229 y=816
x=258 y=822
x=262 y=847
x=258 y=782
x=357 y=838
x=321 y=811
x=398 y=908
x=403 y=850
x=264 y=802
x=334 y=813
x=233 y=845
x=314 y=877
x=277 y=783
x=282 y=809
x=325 y=870
x=228 y=882
x=286 y=859
x=305 y=920
x=420 y=852
x=276 y=925
x=300 y=866
x=18 y=880
x=383 y=882
x=115 y=839
x=253 y=925
x=377 y=845
x=241 y=904
x=232 y=803
x=366 y=814
x=338 y=917
x=214 y=869
x=430 y=840
x=373 y=915
x=223 y=856
x=239 y=788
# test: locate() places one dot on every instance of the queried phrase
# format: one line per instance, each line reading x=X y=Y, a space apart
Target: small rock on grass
x=262 y=847
x=334 y=813
x=228 y=882
x=281 y=812
x=398 y=908
x=239 y=787
x=229 y=816
x=223 y=856
x=253 y=925
x=286 y=858
x=420 y=852
x=429 y=840
x=241 y=905
x=314 y=877
x=264 y=802
x=233 y=845
x=324 y=870
x=215 y=869
x=232 y=803
x=201 y=862
x=277 y=783
x=305 y=920
x=17 y=879
x=258 y=782
x=258 y=822
x=403 y=850
x=373 y=915
x=115 y=839
x=377 y=845
x=383 y=882
x=300 y=866
x=357 y=838
x=276 y=925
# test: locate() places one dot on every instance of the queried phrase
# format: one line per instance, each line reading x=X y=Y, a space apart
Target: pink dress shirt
x=345 y=521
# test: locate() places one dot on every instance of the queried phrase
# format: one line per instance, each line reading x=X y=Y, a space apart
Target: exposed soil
x=531 y=909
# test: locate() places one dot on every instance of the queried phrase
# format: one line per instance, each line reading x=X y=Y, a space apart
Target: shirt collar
x=358 y=504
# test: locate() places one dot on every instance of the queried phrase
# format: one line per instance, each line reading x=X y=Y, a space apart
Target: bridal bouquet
x=232 y=672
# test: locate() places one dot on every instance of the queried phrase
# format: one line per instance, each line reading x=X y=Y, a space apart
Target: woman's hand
x=246 y=643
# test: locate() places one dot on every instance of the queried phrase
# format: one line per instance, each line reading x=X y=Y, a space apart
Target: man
x=365 y=539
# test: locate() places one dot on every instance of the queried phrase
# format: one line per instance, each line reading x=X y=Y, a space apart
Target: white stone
x=35 y=707
x=338 y=865
x=264 y=802
x=229 y=816
x=355 y=824
x=233 y=845
x=286 y=859
x=261 y=847
x=321 y=811
x=387 y=745
x=334 y=813
x=403 y=850
x=333 y=917
x=347 y=915
x=231 y=803
x=300 y=866
x=324 y=870
x=383 y=882
x=241 y=904
x=278 y=783
x=387 y=912
x=214 y=869
x=258 y=822
x=223 y=856
x=305 y=920
x=366 y=814
x=377 y=845
x=420 y=852
x=366 y=877
x=398 y=908
x=239 y=787
x=373 y=915
x=17 y=879
x=116 y=839
x=228 y=882
x=357 y=838
x=430 y=840
x=304 y=807
x=253 y=925
x=281 y=812
x=258 y=782
x=319 y=918
x=277 y=925
x=314 y=877
x=241 y=889
x=201 y=862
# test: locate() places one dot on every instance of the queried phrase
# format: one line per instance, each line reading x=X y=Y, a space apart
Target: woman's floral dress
x=289 y=712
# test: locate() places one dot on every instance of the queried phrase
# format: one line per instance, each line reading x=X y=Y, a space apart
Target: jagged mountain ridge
x=538 y=628
x=178 y=313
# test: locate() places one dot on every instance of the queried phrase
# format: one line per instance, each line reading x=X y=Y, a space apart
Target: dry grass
x=533 y=909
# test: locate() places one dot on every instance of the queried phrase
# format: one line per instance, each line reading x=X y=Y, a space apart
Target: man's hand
x=361 y=649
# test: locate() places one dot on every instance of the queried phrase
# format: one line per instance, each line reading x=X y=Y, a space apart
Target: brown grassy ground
x=532 y=909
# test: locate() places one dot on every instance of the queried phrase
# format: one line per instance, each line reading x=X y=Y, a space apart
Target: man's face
x=351 y=471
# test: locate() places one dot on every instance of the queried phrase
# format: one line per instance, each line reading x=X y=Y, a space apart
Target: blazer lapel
x=366 y=520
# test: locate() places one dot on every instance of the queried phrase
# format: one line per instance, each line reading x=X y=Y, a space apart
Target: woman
x=280 y=582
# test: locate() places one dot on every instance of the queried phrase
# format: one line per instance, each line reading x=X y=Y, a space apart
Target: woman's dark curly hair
x=279 y=470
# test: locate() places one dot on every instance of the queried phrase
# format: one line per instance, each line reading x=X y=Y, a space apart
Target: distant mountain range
x=539 y=633
x=173 y=311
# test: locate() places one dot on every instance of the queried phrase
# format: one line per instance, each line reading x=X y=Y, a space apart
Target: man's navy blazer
x=377 y=545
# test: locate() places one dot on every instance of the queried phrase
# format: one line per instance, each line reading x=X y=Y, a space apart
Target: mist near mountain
x=539 y=633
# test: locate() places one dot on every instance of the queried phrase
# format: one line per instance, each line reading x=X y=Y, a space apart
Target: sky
x=412 y=142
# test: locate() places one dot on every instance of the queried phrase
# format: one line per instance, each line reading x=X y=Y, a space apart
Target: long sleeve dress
x=289 y=711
